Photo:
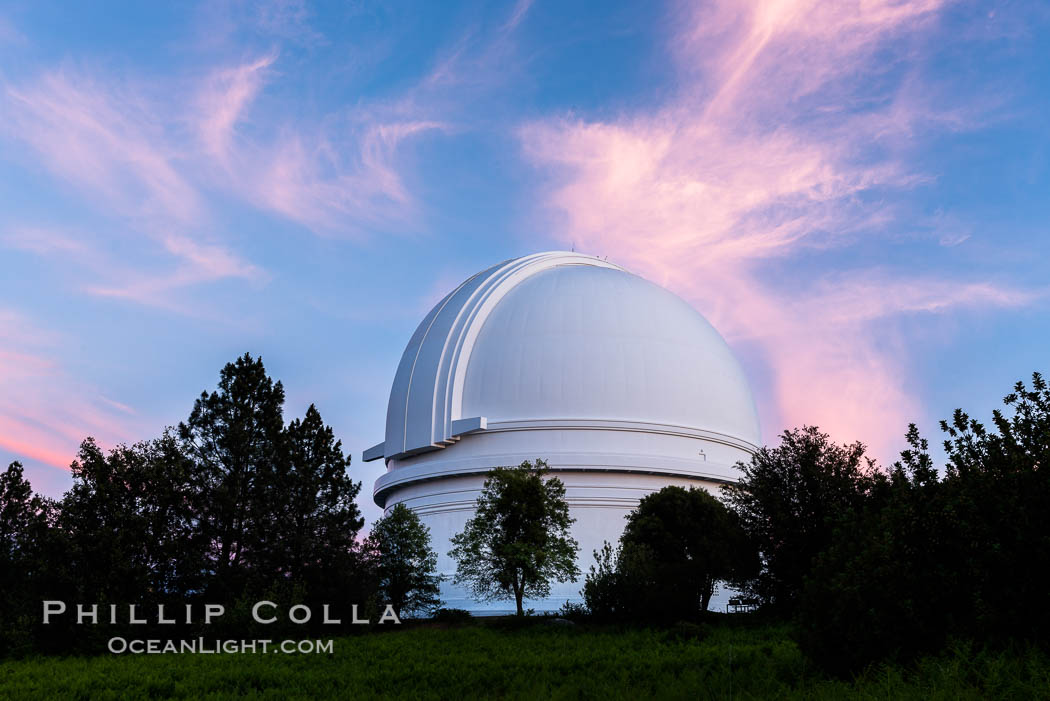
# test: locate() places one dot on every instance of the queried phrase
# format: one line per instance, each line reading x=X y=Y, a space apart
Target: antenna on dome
x=573 y=246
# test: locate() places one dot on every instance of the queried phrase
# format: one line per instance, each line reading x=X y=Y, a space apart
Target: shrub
x=452 y=616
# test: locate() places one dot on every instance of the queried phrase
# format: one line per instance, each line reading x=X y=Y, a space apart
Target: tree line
x=869 y=564
x=231 y=506
x=234 y=505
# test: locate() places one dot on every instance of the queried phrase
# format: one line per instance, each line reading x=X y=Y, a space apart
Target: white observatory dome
x=619 y=384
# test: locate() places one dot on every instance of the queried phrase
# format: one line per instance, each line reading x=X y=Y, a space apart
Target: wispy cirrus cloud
x=129 y=152
x=329 y=188
x=106 y=141
x=111 y=144
x=770 y=152
x=222 y=101
x=159 y=158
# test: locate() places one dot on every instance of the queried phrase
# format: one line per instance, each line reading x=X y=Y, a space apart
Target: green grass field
x=539 y=661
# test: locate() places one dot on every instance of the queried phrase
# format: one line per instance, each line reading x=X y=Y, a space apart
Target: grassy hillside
x=539 y=661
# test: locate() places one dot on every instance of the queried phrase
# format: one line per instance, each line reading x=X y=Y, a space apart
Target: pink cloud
x=128 y=149
x=760 y=159
x=45 y=412
x=153 y=153
x=106 y=143
x=337 y=187
x=115 y=146
x=195 y=261
x=339 y=176
x=223 y=99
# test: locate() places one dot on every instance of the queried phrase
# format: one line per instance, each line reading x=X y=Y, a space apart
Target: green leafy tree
x=518 y=540
x=789 y=501
x=405 y=563
x=676 y=546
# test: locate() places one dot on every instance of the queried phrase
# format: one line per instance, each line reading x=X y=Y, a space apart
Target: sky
x=856 y=194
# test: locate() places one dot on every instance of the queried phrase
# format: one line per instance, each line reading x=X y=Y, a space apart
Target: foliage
x=518 y=540
x=231 y=506
x=25 y=520
x=676 y=546
x=573 y=611
x=272 y=503
x=602 y=589
x=316 y=518
x=235 y=438
x=21 y=511
x=405 y=564
x=445 y=615
x=929 y=557
x=789 y=501
x=128 y=523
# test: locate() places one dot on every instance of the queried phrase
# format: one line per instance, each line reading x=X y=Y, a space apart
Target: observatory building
x=619 y=384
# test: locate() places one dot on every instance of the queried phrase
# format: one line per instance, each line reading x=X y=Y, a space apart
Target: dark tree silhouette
x=684 y=541
x=129 y=524
x=316 y=518
x=25 y=519
x=930 y=557
x=233 y=505
x=275 y=505
x=235 y=436
x=789 y=500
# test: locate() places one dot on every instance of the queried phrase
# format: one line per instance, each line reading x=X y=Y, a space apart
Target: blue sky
x=856 y=194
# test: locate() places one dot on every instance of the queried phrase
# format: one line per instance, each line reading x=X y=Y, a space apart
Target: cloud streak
x=106 y=143
x=44 y=412
x=159 y=157
x=131 y=155
x=769 y=155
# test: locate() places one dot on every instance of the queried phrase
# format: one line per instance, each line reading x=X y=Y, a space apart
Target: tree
x=405 y=563
x=789 y=501
x=518 y=540
x=232 y=505
x=931 y=557
x=602 y=588
x=236 y=438
x=677 y=544
x=275 y=504
x=129 y=522
x=20 y=509
x=998 y=493
x=879 y=588
x=316 y=516
x=25 y=520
